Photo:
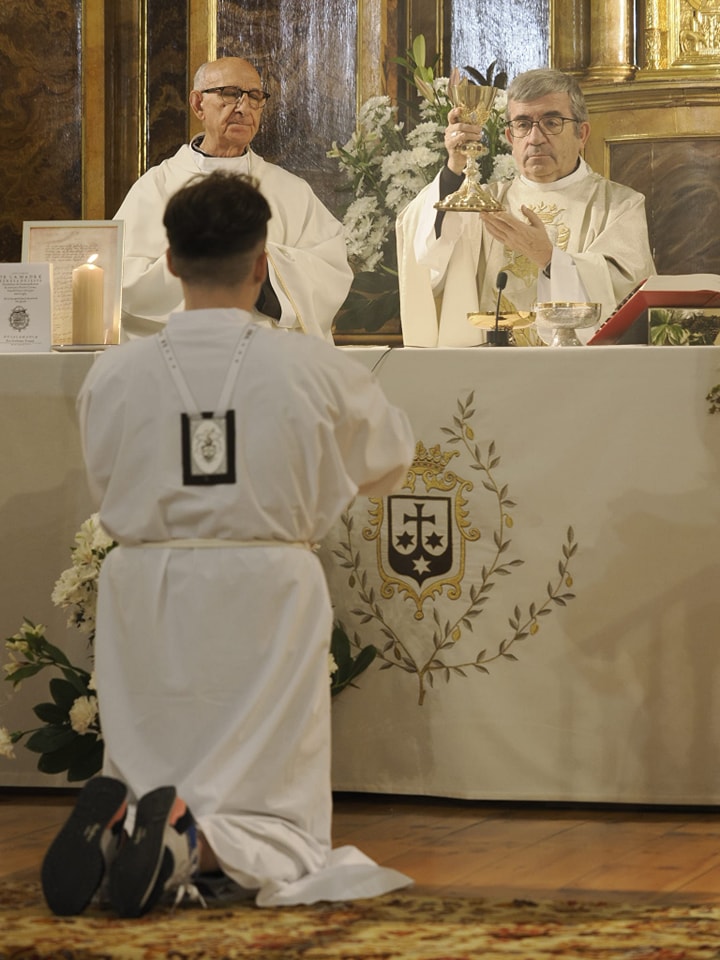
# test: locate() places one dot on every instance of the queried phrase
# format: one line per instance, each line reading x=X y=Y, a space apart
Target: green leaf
x=55 y=653
x=82 y=768
x=81 y=749
x=50 y=713
x=50 y=739
x=340 y=648
x=63 y=693
x=363 y=660
x=348 y=667
x=24 y=672
x=419 y=50
x=78 y=679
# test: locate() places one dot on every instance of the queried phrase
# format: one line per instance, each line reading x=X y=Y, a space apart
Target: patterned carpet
x=403 y=926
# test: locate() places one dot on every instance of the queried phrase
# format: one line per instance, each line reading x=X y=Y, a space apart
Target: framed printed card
x=87 y=257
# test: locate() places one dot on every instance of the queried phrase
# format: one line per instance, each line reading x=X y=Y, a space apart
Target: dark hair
x=214 y=225
x=534 y=84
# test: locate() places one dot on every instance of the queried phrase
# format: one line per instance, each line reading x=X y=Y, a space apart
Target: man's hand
x=529 y=239
x=456 y=135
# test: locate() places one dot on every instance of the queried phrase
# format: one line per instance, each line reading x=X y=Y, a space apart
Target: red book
x=683 y=290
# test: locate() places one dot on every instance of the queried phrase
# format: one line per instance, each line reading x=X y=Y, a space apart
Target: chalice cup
x=475 y=102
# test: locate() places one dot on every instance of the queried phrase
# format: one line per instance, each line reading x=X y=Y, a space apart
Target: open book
x=683 y=290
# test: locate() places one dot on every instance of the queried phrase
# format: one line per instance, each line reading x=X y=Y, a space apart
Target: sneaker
x=161 y=856
x=80 y=856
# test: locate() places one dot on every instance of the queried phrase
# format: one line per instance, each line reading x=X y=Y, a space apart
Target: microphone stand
x=499 y=337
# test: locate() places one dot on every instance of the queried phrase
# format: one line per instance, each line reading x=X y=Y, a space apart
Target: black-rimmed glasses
x=256 y=98
x=550 y=126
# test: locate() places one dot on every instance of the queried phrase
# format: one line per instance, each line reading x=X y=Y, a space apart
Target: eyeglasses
x=550 y=126
x=256 y=98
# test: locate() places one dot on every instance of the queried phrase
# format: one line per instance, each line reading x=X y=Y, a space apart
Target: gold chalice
x=475 y=102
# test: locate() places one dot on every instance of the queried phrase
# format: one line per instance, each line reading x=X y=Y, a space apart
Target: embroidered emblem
x=421 y=537
x=428 y=553
x=519 y=265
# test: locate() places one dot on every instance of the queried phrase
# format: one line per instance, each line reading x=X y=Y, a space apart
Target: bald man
x=308 y=273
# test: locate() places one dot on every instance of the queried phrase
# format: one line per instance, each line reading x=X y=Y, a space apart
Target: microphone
x=498 y=337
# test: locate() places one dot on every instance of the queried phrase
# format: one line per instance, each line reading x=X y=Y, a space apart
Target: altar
x=542 y=593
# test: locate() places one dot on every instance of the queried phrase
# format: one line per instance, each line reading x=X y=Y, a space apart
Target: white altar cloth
x=613 y=699
x=612 y=695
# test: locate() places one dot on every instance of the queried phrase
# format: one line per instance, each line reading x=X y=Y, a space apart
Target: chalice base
x=470 y=198
x=565 y=337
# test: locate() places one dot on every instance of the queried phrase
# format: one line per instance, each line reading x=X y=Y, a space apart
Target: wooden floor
x=475 y=849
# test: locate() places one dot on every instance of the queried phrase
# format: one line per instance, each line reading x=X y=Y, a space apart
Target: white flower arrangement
x=385 y=166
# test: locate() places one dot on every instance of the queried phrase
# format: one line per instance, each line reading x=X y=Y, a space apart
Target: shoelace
x=188 y=891
x=183 y=878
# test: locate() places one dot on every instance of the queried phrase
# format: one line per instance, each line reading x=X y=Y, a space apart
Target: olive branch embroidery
x=398 y=651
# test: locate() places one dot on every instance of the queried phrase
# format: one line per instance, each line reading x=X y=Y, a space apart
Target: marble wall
x=306 y=54
x=40 y=116
x=168 y=82
x=515 y=34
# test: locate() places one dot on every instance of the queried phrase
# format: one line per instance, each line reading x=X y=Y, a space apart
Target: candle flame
x=92 y=258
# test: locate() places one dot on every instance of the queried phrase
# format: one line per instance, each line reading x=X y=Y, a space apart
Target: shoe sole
x=139 y=871
x=73 y=866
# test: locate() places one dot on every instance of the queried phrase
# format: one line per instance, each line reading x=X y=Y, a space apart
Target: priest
x=308 y=273
x=565 y=232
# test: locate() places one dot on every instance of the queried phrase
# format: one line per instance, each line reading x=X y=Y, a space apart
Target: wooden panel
x=40 y=126
x=680 y=178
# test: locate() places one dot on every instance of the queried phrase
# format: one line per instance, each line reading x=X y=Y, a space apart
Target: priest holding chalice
x=556 y=231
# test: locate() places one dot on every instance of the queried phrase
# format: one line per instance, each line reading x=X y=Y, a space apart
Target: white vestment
x=600 y=252
x=211 y=660
x=307 y=258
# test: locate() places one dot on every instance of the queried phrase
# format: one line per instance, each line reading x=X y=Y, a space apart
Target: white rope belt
x=191 y=543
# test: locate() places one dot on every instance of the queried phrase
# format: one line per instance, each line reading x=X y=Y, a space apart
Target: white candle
x=88 y=322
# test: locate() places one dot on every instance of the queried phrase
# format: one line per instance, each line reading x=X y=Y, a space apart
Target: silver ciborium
x=564 y=318
x=475 y=102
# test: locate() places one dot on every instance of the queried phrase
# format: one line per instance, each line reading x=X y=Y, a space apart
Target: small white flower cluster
x=20 y=644
x=77 y=586
x=6 y=744
x=386 y=168
x=366 y=230
x=84 y=715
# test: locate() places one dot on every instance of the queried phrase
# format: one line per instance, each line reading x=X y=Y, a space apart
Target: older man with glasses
x=564 y=233
x=308 y=273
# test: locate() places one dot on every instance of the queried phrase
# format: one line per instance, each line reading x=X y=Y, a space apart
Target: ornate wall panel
x=679 y=33
x=306 y=53
x=40 y=119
